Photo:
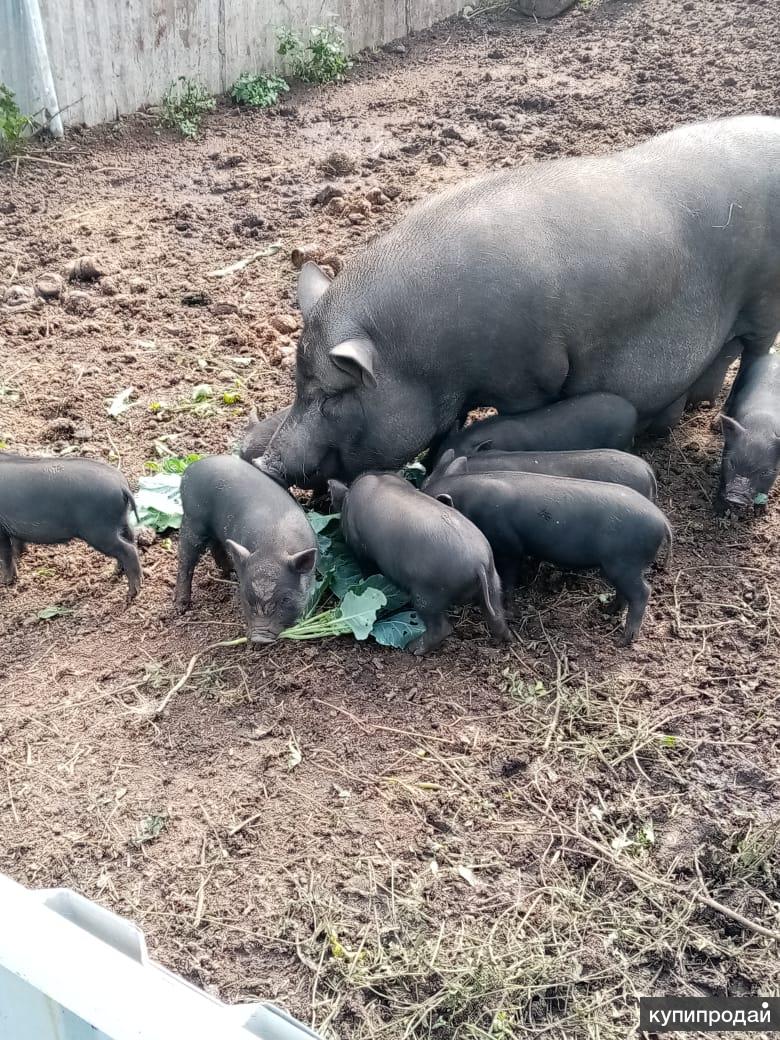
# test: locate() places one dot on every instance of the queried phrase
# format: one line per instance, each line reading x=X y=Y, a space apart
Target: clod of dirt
x=49 y=286
x=144 y=537
x=452 y=133
x=79 y=302
x=330 y=191
x=543 y=8
x=337 y=164
x=109 y=287
x=498 y=124
x=84 y=269
x=302 y=254
x=679 y=840
x=284 y=323
x=356 y=217
x=437 y=159
x=58 y=429
x=196 y=298
x=82 y=433
x=225 y=187
x=18 y=296
x=391 y=190
x=336 y=206
x=138 y=285
x=228 y=160
x=377 y=197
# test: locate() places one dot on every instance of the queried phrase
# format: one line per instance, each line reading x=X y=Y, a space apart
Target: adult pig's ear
x=238 y=553
x=730 y=427
x=356 y=358
x=445 y=500
x=312 y=283
x=338 y=493
x=303 y=562
x=483 y=446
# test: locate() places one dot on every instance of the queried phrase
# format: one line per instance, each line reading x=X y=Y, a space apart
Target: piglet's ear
x=483 y=446
x=338 y=492
x=304 y=561
x=446 y=459
x=238 y=553
x=355 y=357
x=459 y=465
x=445 y=500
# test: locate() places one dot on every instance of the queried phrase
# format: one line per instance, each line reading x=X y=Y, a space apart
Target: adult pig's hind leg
x=709 y=384
x=667 y=419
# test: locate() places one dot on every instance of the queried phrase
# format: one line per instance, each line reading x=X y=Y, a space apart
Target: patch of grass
x=184 y=105
x=13 y=123
x=259 y=91
x=322 y=59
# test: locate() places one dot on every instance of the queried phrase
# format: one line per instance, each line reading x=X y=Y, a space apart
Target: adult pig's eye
x=329 y=405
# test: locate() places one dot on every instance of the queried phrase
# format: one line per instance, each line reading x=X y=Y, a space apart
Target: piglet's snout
x=739 y=492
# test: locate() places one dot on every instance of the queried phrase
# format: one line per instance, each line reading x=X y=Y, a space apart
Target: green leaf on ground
x=398 y=630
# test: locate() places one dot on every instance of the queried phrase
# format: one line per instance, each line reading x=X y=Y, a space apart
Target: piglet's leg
x=631 y=588
x=192 y=545
x=437 y=628
x=222 y=559
x=8 y=558
x=126 y=556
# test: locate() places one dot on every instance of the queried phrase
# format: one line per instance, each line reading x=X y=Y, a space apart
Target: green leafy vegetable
x=321 y=521
x=356 y=614
x=415 y=473
x=395 y=597
x=173 y=464
x=158 y=500
x=399 y=629
x=48 y=613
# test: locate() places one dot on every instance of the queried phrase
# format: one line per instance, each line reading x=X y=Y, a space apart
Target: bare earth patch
x=492 y=842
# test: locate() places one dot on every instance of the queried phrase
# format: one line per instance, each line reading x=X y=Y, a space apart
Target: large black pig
x=625 y=273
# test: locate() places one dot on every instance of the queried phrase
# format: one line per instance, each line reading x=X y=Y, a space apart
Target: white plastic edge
x=118 y=991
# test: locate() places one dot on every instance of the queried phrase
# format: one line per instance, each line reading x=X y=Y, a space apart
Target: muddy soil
x=386 y=846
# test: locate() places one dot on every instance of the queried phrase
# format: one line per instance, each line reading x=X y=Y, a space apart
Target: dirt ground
x=492 y=842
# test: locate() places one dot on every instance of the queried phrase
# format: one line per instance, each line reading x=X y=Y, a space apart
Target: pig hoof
x=502 y=633
x=420 y=647
x=181 y=606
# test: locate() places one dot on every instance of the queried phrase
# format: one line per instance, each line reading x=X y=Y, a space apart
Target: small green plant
x=12 y=123
x=322 y=60
x=184 y=104
x=172 y=464
x=259 y=91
